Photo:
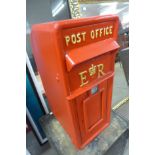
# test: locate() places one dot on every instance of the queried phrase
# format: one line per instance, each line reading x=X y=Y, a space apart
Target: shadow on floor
x=37 y=149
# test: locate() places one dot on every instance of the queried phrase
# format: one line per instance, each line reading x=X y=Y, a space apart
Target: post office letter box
x=75 y=59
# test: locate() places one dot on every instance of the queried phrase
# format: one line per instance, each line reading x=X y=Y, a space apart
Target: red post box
x=75 y=59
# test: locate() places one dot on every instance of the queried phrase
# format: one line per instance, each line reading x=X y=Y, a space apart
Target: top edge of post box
x=69 y=23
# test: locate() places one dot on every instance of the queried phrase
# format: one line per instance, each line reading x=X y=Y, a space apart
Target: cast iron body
x=75 y=59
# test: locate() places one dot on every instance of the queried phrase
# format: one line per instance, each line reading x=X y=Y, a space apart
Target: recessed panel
x=93 y=110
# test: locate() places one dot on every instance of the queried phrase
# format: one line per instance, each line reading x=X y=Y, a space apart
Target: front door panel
x=92 y=111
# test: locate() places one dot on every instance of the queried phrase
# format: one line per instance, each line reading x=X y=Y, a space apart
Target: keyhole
x=94 y=90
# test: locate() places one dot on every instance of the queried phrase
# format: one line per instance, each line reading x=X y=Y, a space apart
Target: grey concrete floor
x=46 y=149
x=123 y=111
x=126 y=151
x=35 y=148
x=120 y=87
x=120 y=91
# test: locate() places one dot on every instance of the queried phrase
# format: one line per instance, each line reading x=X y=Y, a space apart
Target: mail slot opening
x=85 y=53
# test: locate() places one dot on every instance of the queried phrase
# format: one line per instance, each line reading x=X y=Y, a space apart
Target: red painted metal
x=75 y=59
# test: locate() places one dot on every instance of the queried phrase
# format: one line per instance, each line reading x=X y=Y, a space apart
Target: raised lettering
x=83 y=78
x=78 y=38
x=104 y=31
x=107 y=30
x=101 y=32
x=73 y=38
x=100 y=70
x=96 y=32
x=92 y=34
x=84 y=36
x=67 y=38
x=110 y=29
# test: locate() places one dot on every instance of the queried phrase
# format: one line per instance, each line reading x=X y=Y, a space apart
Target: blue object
x=33 y=104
